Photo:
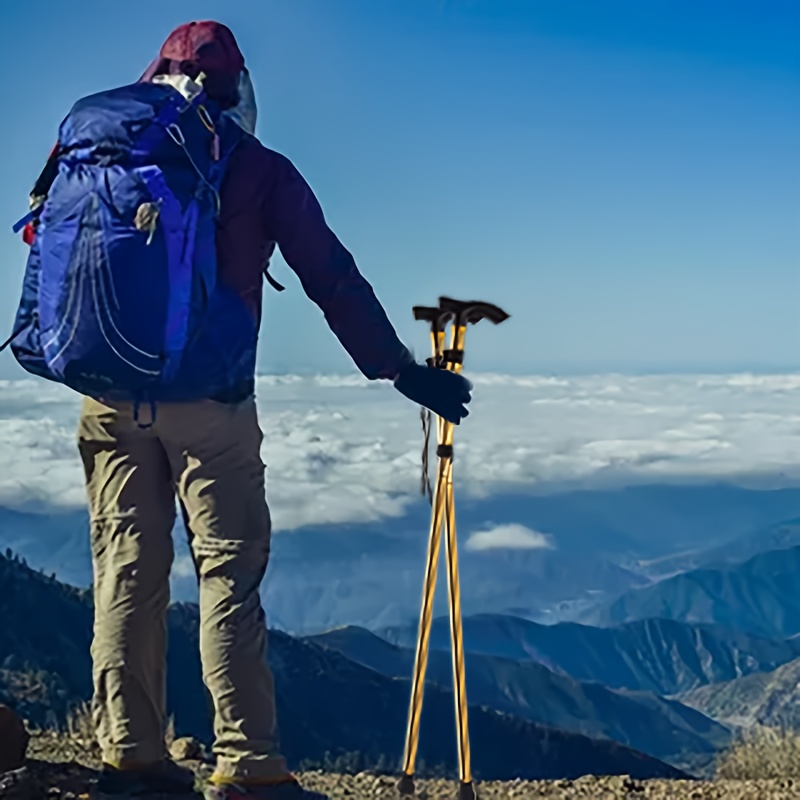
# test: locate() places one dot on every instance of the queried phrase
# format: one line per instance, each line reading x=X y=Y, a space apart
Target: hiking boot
x=165 y=779
x=285 y=790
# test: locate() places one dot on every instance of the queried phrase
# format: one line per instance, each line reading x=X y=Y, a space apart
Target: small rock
x=186 y=749
x=16 y=784
x=13 y=740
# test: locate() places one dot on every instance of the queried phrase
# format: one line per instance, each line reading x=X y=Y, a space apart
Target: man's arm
x=330 y=277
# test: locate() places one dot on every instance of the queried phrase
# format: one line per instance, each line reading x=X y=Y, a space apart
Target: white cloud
x=509 y=537
x=342 y=450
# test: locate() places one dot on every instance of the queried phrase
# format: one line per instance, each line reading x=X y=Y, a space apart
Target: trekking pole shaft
x=437 y=340
x=457 y=638
x=426 y=610
x=454 y=592
x=425 y=621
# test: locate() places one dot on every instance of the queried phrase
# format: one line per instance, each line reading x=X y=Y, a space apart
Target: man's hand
x=443 y=392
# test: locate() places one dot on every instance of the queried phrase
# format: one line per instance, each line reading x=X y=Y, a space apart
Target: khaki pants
x=208 y=454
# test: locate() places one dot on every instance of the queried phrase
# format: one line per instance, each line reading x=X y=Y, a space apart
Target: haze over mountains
x=322 y=577
x=772 y=537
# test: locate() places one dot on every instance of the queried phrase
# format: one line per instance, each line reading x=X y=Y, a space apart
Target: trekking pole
x=438 y=321
x=463 y=314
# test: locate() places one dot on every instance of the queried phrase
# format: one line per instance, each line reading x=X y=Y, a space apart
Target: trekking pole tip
x=466 y=791
x=406 y=785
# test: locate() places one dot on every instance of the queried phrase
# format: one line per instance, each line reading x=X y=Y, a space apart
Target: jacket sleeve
x=330 y=277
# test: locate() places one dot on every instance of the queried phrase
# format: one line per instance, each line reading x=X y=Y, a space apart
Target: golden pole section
x=406 y=784
x=456 y=627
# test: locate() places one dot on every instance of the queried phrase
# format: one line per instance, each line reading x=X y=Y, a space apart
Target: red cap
x=208 y=45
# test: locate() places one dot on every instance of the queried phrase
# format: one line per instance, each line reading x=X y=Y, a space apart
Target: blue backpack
x=120 y=297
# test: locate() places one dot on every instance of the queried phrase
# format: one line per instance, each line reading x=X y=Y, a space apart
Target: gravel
x=597 y=788
x=62 y=769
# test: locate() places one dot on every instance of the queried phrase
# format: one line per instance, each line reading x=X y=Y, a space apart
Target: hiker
x=195 y=436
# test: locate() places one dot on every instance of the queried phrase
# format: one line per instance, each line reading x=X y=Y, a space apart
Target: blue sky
x=622 y=176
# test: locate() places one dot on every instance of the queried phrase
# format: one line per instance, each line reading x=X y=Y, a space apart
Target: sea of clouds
x=343 y=450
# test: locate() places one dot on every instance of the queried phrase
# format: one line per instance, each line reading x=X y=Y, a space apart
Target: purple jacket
x=266 y=202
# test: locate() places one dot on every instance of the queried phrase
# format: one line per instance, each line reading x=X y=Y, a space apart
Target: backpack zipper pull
x=147 y=219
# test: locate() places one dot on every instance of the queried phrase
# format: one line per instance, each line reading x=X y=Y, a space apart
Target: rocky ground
x=62 y=768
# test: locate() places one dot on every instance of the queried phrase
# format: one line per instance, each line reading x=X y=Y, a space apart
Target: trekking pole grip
x=471 y=312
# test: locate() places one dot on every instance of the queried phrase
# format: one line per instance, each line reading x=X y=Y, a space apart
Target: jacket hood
x=244 y=112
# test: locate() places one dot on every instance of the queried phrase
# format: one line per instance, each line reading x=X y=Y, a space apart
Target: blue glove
x=443 y=392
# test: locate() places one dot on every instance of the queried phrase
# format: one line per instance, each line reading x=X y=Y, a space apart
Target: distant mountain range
x=760 y=596
x=656 y=655
x=662 y=728
x=55 y=542
x=327 y=703
x=766 y=698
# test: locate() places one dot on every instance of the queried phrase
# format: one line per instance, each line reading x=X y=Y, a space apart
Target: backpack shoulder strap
x=40 y=190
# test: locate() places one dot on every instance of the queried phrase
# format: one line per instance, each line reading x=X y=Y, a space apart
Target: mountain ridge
x=663 y=728
x=765 y=698
x=659 y=655
x=327 y=704
x=760 y=596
